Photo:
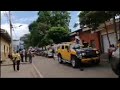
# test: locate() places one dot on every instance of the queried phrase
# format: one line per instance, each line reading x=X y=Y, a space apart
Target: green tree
x=45 y=21
x=58 y=34
x=93 y=19
x=113 y=15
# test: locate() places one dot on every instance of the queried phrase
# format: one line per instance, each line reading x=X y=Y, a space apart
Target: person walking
x=77 y=43
x=13 y=57
x=21 y=54
x=53 y=53
x=25 y=55
x=30 y=55
x=23 y=51
x=110 y=51
x=16 y=60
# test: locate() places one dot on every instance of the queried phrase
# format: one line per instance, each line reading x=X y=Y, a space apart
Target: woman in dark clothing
x=25 y=55
x=21 y=54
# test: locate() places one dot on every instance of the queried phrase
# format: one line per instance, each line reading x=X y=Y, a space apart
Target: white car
x=49 y=53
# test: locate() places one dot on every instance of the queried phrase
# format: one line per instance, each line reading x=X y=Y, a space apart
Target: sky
x=24 y=18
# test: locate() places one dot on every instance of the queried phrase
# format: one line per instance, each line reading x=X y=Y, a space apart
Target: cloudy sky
x=24 y=18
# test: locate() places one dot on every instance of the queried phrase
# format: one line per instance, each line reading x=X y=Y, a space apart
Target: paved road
x=26 y=71
x=49 y=68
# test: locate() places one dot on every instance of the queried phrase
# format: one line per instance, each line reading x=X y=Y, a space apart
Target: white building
x=16 y=45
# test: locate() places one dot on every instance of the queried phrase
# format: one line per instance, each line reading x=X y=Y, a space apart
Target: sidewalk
x=26 y=70
x=9 y=62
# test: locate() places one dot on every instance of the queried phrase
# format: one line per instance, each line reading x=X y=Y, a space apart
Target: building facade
x=87 y=36
x=16 y=45
x=5 y=42
x=111 y=34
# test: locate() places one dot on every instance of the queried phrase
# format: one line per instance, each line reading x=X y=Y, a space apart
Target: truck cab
x=73 y=53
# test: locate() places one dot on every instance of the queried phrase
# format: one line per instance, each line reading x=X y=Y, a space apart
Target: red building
x=85 y=35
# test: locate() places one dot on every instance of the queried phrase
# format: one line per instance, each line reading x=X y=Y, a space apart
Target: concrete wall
x=5 y=48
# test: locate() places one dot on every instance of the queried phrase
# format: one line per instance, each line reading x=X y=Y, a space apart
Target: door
x=62 y=51
x=105 y=41
x=67 y=52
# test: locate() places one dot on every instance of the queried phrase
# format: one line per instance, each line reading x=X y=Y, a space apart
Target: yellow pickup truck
x=72 y=54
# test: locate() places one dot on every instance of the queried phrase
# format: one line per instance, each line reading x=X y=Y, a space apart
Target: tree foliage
x=46 y=21
x=93 y=19
x=58 y=34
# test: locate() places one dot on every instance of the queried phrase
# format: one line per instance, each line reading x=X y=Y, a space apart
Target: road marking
x=40 y=75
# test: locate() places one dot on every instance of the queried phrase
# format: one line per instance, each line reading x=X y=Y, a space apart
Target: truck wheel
x=74 y=62
x=60 y=59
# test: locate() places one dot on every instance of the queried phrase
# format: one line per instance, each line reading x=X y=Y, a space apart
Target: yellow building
x=5 y=41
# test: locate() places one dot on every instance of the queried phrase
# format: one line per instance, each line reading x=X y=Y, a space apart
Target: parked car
x=49 y=53
x=72 y=54
x=115 y=62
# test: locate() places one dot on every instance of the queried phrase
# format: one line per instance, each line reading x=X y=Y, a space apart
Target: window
x=62 y=46
x=93 y=44
x=66 y=47
x=4 y=49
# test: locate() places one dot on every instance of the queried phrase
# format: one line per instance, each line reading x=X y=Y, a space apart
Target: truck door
x=67 y=52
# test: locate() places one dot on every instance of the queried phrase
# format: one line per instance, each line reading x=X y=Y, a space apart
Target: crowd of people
x=23 y=55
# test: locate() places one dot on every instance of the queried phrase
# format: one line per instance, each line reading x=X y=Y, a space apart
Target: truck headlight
x=83 y=54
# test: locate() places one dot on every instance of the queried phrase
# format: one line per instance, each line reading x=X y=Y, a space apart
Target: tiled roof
x=5 y=35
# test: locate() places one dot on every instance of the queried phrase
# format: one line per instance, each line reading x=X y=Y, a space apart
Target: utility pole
x=11 y=46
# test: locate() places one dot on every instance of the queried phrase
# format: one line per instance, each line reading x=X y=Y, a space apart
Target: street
x=50 y=68
x=43 y=67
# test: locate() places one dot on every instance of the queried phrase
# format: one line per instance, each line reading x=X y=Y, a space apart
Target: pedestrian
x=110 y=51
x=12 y=57
x=78 y=43
x=30 y=55
x=21 y=54
x=53 y=53
x=16 y=60
x=23 y=51
x=26 y=55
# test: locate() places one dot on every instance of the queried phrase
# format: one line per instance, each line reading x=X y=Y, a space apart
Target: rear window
x=66 y=47
x=62 y=46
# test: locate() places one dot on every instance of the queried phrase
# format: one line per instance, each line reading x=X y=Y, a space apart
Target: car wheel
x=74 y=62
x=60 y=59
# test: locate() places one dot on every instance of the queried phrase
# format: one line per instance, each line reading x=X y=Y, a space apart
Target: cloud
x=3 y=13
x=78 y=13
x=74 y=19
x=29 y=19
x=18 y=31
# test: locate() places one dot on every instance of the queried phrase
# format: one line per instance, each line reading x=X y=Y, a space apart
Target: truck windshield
x=77 y=46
